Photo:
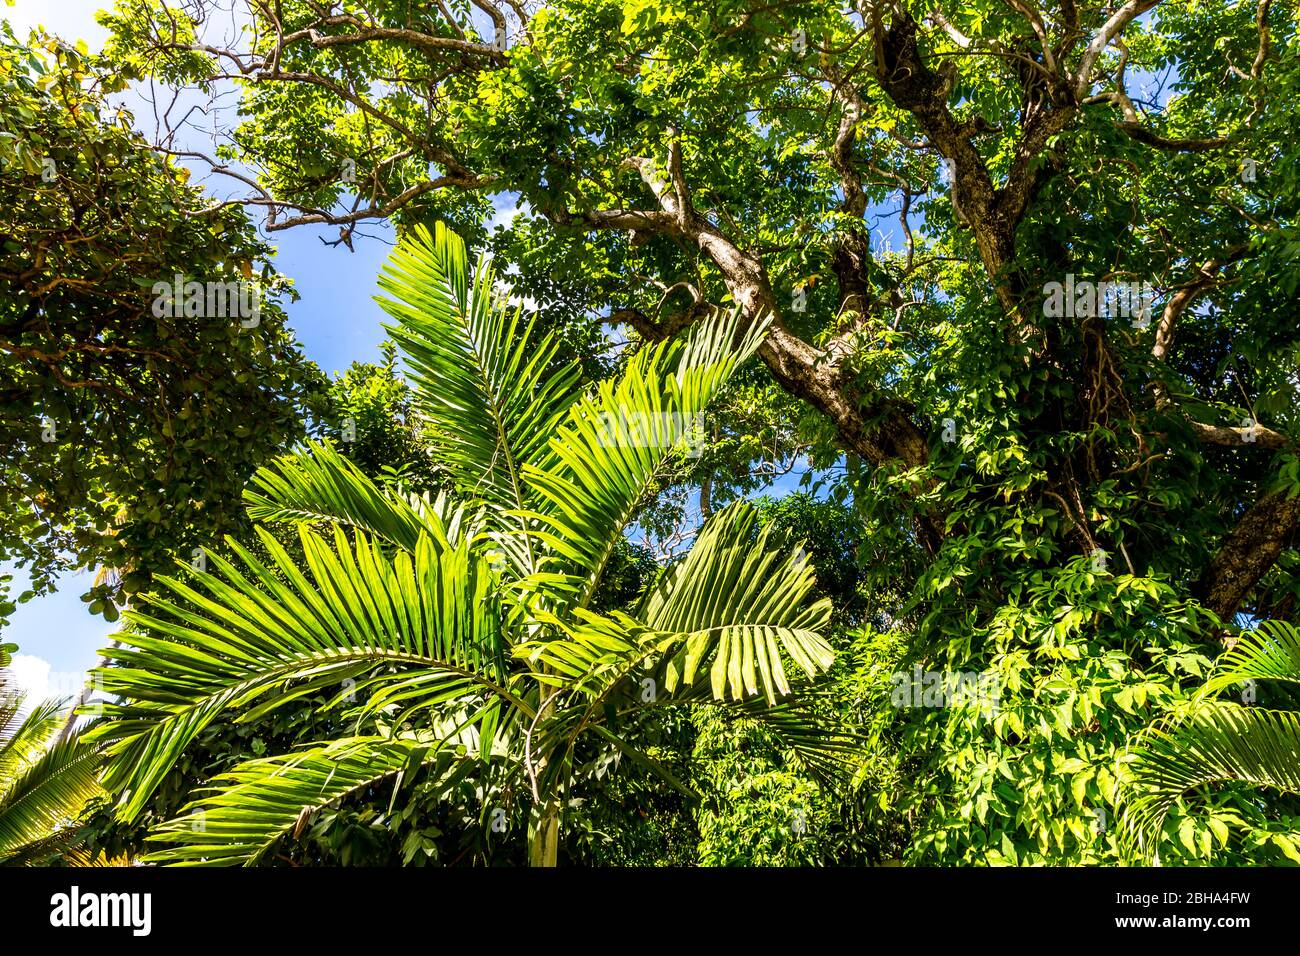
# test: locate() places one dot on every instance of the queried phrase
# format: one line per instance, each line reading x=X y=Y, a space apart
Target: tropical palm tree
x=1217 y=740
x=46 y=779
x=457 y=632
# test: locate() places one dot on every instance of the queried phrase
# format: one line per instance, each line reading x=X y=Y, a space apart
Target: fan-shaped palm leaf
x=1216 y=742
x=24 y=739
x=1270 y=652
x=735 y=607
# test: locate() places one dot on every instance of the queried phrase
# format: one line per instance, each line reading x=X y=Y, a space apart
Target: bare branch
x=1111 y=29
x=1256 y=435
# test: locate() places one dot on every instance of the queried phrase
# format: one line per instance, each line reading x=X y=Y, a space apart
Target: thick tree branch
x=1143 y=135
x=872 y=426
x=1111 y=29
x=1233 y=437
x=1248 y=552
x=993 y=214
x=1207 y=277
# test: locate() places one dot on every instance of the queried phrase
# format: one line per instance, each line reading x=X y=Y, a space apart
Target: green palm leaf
x=741 y=601
x=47 y=795
x=22 y=741
x=617 y=444
x=417 y=620
x=492 y=391
x=600 y=663
x=1270 y=652
x=320 y=485
x=590 y=652
x=1218 y=741
x=736 y=608
x=257 y=639
x=807 y=729
x=263 y=800
x=1215 y=742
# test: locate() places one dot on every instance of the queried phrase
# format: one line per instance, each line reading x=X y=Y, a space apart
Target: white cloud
x=34 y=677
x=503 y=216
x=31 y=675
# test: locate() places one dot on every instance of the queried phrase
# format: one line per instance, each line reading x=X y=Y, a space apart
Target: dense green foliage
x=1215 y=740
x=1037 y=520
x=125 y=438
x=457 y=634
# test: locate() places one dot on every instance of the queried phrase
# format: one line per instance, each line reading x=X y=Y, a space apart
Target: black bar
x=377 y=906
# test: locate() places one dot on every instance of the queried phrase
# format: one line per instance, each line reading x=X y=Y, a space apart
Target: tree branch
x=1248 y=552
x=1111 y=29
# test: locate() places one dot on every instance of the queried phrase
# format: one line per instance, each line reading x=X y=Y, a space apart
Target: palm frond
x=1215 y=742
x=736 y=608
x=417 y=621
x=492 y=391
x=1270 y=652
x=318 y=485
x=257 y=639
x=66 y=846
x=260 y=801
x=589 y=652
x=48 y=794
x=23 y=741
x=616 y=445
x=741 y=601
x=601 y=663
x=828 y=752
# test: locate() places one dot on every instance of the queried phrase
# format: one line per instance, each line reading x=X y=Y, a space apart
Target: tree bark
x=1248 y=552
